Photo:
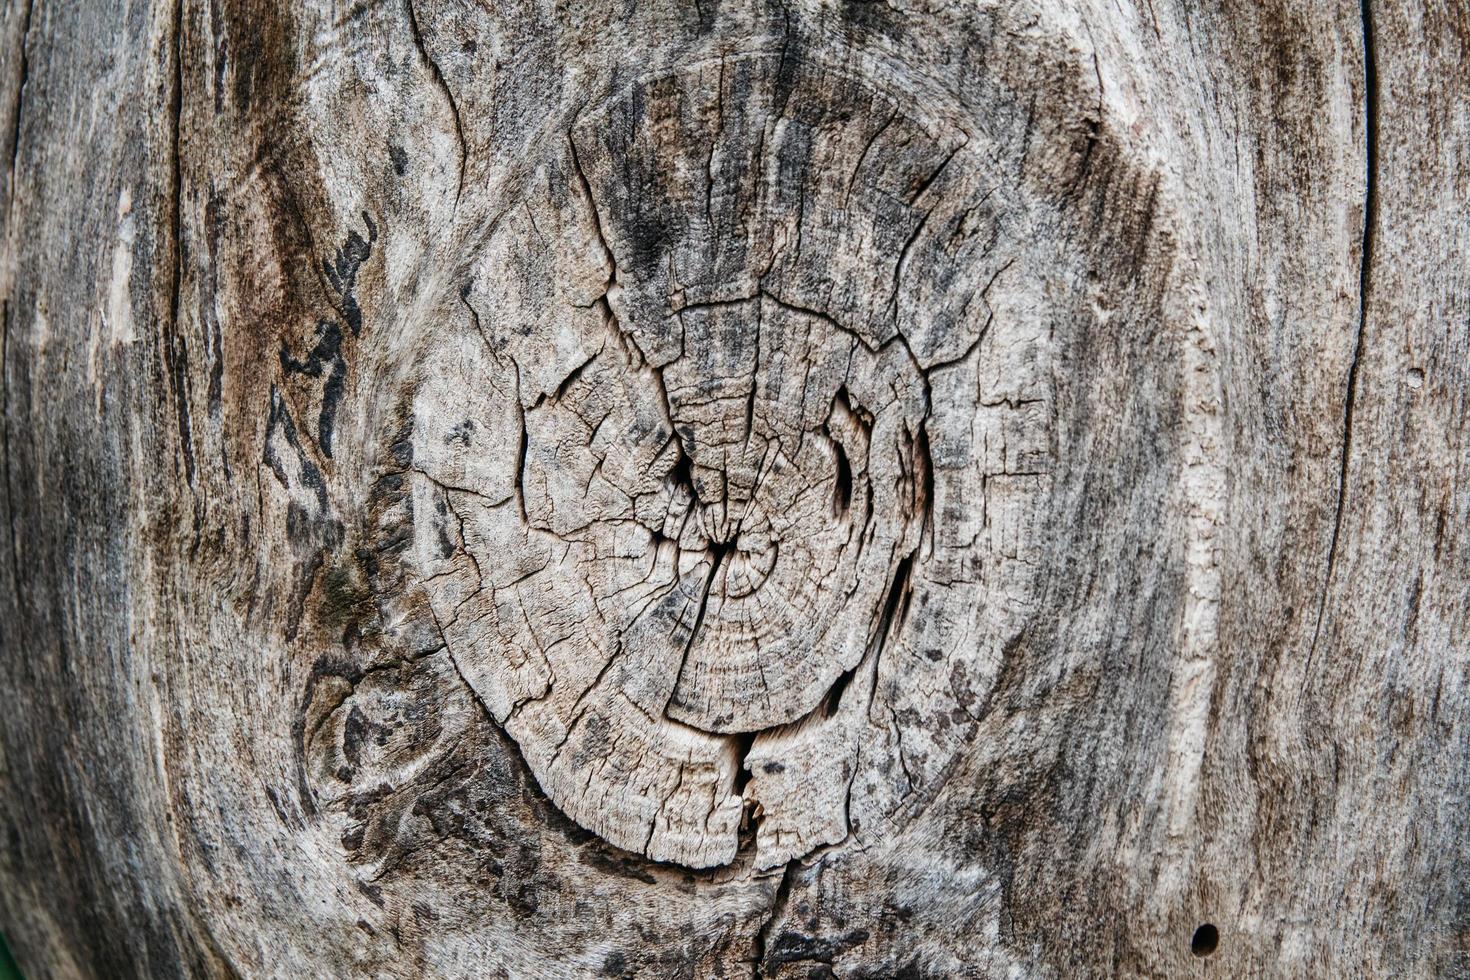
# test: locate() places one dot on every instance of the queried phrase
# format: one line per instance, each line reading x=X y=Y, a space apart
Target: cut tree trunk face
x=725 y=489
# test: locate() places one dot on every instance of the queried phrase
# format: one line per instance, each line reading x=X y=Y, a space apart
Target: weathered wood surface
x=701 y=489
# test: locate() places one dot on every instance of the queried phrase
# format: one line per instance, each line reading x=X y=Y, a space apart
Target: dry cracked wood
x=735 y=421
x=711 y=489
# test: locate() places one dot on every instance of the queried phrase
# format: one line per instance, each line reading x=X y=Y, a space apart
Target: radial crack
x=718 y=551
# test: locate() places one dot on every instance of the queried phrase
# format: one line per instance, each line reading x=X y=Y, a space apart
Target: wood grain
x=726 y=489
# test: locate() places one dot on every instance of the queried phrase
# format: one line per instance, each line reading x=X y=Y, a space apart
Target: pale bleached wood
x=702 y=490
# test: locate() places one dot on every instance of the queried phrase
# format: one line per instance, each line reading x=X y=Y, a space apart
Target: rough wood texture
x=723 y=489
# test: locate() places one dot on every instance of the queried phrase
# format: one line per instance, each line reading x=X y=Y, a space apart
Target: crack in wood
x=6 y=312
x=717 y=552
x=778 y=908
x=1370 y=221
x=443 y=85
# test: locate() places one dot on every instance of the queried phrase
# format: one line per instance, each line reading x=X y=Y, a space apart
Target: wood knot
x=687 y=480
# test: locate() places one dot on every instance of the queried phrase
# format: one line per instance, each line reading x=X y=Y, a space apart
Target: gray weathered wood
x=724 y=489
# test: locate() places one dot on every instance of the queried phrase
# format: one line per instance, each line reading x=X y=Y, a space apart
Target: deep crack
x=778 y=906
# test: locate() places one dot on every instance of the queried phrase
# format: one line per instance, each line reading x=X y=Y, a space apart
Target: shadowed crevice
x=1370 y=223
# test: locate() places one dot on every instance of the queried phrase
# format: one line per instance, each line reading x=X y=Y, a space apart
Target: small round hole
x=1205 y=939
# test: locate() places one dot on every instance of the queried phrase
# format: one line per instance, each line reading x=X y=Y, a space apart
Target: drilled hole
x=1206 y=938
